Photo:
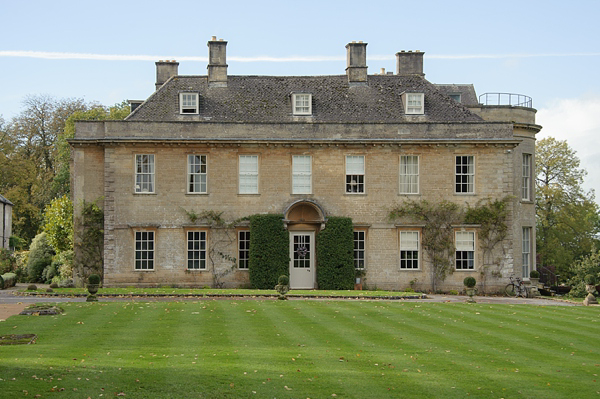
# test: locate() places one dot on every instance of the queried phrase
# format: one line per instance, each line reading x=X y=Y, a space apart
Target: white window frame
x=144 y=257
x=243 y=249
x=526 y=251
x=189 y=103
x=145 y=167
x=526 y=182
x=360 y=250
x=409 y=174
x=464 y=181
x=302 y=103
x=197 y=174
x=355 y=174
x=415 y=103
x=301 y=174
x=464 y=242
x=196 y=250
x=409 y=244
x=248 y=174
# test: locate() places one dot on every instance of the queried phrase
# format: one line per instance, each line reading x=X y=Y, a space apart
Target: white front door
x=302 y=259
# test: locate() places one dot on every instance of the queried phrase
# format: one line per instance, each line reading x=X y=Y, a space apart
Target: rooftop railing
x=515 y=100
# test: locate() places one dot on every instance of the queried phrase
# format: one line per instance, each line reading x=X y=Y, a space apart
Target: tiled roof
x=466 y=91
x=267 y=99
x=5 y=201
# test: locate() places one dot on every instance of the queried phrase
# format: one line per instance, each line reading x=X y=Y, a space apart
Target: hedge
x=268 y=256
x=335 y=251
x=8 y=280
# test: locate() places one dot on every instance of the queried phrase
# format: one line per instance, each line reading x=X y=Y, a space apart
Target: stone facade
x=5 y=222
x=368 y=122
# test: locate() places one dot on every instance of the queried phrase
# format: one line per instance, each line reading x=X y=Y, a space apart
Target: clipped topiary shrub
x=283 y=280
x=8 y=280
x=54 y=285
x=534 y=274
x=94 y=279
x=269 y=246
x=32 y=287
x=335 y=248
x=469 y=282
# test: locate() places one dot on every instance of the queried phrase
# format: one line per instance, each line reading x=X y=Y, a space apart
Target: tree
x=567 y=215
x=61 y=183
x=58 y=224
x=35 y=155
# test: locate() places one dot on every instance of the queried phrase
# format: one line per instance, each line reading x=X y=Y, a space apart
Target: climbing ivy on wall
x=269 y=246
x=89 y=242
x=335 y=251
x=439 y=220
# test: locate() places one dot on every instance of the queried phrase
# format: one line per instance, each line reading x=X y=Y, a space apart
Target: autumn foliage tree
x=567 y=215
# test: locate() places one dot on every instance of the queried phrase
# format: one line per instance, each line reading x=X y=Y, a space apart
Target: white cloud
x=576 y=120
x=132 y=57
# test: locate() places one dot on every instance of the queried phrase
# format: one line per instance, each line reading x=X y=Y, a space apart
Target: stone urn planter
x=469 y=283
x=283 y=286
x=590 y=287
x=534 y=278
x=92 y=287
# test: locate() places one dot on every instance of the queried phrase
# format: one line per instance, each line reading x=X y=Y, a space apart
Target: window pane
x=144 y=178
x=359 y=249
x=409 y=174
x=248 y=175
x=196 y=253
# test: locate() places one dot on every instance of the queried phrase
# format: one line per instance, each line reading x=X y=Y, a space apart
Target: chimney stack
x=356 y=65
x=164 y=71
x=409 y=63
x=217 y=63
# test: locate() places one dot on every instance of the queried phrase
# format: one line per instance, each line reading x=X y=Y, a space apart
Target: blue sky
x=105 y=51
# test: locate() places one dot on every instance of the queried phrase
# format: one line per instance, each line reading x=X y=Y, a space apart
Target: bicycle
x=515 y=288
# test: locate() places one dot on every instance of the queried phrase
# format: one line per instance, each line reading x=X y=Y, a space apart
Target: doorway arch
x=303 y=219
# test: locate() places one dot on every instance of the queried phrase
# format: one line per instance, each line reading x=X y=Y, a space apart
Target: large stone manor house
x=307 y=148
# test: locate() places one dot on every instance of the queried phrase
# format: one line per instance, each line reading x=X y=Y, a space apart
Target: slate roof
x=466 y=91
x=267 y=99
x=5 y=201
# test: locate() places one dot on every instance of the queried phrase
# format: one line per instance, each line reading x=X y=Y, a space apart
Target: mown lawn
x=304 y=349
x=127 y=291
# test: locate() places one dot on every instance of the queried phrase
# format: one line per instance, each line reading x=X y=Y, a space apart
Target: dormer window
x=414 y=103
x=455 y=97
x=302 y=103
x=188 y=103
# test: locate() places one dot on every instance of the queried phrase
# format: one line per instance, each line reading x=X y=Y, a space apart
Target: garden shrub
x=22 y=257
x=40 y=257
x=31 y=287
x=335 y=249
x=590 y=265
x=63 y=262
x=8 y=280
x=8 y=262
x=268 y=255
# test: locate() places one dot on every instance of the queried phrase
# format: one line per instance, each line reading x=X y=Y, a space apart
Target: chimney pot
x=164 y=71
x=409 y=63
x=213 y=38
x=217 y=63
x=356 y=65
